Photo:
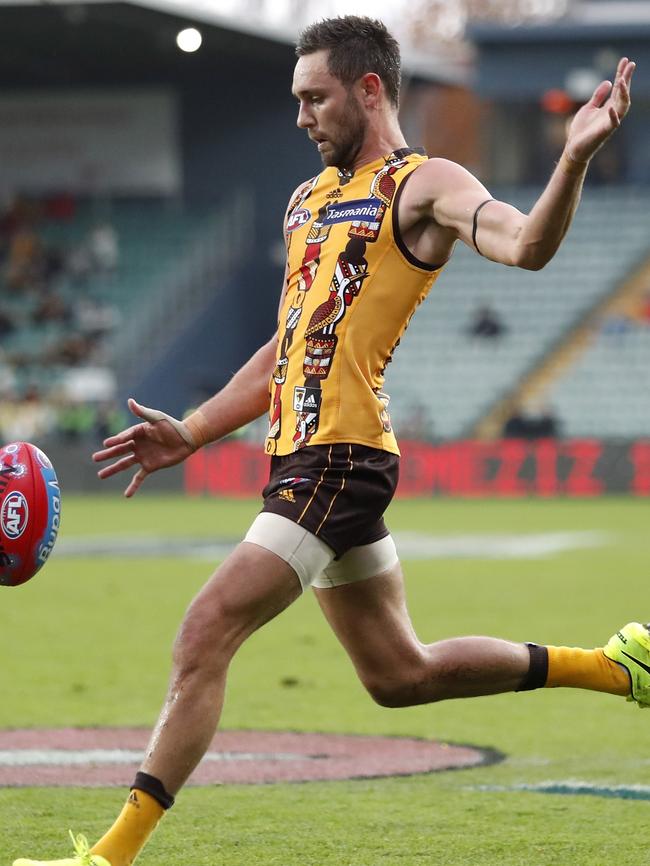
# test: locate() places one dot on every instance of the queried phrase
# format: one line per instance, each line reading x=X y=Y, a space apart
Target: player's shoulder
x=440 y=169
x=301 y=191
x=298 y=196
x=436 y=177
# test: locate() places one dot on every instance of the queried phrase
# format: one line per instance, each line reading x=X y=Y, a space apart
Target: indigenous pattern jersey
x=352 y=287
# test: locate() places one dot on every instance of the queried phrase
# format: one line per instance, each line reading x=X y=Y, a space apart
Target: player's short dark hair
x=356 y=45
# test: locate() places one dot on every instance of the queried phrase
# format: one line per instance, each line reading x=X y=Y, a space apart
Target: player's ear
x=371 y=88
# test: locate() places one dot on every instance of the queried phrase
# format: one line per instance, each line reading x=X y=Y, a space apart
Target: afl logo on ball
x=14 y=515
x=298 y=218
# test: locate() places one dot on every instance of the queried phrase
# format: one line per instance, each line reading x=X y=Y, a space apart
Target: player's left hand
x=597 y=120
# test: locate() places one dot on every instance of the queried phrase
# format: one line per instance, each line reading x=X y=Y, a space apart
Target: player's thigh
x=249 y=588
x=371 y=620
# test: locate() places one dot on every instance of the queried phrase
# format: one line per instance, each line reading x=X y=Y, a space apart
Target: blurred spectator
x=25 y=260
x=26 y=418
x=7 y=378
x=71 y=351
x=98 y=253
x=547 y=424
x=53 y=263
x=51 y=308
x=532 y=423
x=104 y=248
x=7 y=323
x=486 y=324
x=89 y=383
x=78 y=264
x=96 y=318
x=110 y=418
x=89 y=419
x=75 y=420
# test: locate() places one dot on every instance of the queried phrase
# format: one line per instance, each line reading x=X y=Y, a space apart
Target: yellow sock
x=586 y=669
x=136 y=822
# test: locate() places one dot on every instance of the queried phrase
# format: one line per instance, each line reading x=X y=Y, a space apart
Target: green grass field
x=88 y=643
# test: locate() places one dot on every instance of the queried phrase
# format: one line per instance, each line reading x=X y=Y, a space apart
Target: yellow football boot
x=82 y=856
x=630 y=647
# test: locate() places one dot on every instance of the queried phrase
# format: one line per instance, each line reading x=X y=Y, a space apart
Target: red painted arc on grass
x=97 y=757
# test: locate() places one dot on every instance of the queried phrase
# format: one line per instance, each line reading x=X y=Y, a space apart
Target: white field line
x=80 y=757
x=410 y=545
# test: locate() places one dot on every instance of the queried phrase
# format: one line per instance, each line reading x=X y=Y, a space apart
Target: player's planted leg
x=251 y=587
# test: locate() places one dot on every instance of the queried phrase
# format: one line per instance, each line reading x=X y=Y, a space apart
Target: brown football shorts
x=338 y=492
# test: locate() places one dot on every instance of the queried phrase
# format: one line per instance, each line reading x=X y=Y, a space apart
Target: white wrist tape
x=153 y=415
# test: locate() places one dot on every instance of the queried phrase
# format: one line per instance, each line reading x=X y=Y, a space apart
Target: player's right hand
x=157 y=442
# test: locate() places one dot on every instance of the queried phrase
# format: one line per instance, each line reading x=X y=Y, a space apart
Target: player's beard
x=349 y=141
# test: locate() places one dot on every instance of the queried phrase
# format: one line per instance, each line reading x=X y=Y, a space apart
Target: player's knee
x=387 y=694
x=406 y=683
x=393 y=692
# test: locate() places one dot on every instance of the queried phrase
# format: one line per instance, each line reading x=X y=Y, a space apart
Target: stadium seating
x=446 y=380
x=442 y=380
x=606 y=393
x=163 y=250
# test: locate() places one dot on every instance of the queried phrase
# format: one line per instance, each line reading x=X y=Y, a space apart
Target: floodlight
x=189 y=39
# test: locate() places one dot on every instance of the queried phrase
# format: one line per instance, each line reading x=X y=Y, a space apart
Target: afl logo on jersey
x=298 y=218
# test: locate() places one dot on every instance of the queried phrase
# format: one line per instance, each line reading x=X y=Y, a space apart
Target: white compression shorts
x=312 y=560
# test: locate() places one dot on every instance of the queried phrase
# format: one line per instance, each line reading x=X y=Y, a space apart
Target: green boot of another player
x=630 y=647
x=82 y=856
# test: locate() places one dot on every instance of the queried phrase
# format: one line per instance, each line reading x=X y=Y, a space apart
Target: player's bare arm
x=443 y=202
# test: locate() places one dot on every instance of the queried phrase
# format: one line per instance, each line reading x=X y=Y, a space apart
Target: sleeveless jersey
x=352 y=287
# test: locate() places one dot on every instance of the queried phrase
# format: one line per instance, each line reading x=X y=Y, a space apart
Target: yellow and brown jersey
x=352 y=287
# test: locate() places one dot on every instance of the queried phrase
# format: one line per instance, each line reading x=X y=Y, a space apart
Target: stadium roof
x=431 y=33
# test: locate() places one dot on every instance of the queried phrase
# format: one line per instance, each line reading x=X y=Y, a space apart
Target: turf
x=87 y=643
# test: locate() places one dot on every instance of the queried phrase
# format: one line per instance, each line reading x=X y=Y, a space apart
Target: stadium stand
x=74 y=339
x=446 y=379
x=606 y=393
x=75 y=291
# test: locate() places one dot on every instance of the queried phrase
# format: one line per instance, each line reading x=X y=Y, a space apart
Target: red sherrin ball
x=30 y=511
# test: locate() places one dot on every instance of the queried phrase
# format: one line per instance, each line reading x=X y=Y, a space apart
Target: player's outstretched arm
x=159 y=440
x=455 y=200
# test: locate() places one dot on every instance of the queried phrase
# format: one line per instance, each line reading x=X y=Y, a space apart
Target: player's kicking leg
x=251 y=587
x=370 y=618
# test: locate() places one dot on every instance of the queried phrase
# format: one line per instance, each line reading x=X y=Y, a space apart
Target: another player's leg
x=371 y=620
x=251 y=587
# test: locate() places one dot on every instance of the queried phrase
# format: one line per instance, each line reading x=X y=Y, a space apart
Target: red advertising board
x=503 y=468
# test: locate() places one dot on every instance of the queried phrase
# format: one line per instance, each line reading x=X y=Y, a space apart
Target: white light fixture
x=189 y=40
